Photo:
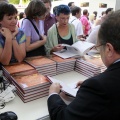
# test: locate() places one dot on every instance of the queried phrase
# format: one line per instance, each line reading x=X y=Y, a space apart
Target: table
x=37 y=109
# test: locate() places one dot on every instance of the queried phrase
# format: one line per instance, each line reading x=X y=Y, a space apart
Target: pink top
x=85 y=24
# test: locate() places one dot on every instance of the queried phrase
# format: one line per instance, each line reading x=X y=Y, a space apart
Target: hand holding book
x=67 y=89
x=59 y=47
x=79 y=48
x=55 y=88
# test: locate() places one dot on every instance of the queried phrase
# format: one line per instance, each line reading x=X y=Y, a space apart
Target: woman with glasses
x=12 y=39
x=61 y=32
x=34 y=29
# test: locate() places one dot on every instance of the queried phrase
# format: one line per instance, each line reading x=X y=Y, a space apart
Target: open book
x=79 y=48
x=69 y=89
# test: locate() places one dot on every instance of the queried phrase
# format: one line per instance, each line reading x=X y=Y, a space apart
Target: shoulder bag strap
x=58 y=36
x=34 y=27
x=73 y=20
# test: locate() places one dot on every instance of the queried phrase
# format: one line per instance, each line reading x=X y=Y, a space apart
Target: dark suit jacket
x=98 y=98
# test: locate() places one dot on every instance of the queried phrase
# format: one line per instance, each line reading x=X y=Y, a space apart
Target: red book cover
x=17 y=67
x=29 y=80
x=95 y=61
x=39 y=61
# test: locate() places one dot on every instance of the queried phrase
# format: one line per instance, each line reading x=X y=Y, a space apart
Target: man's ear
x=109 y=50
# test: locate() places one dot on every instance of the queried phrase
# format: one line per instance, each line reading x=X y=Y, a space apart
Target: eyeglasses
x=64 y=19
x=97 y=47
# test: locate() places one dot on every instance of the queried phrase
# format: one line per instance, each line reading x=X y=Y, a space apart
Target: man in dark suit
x=98 y=97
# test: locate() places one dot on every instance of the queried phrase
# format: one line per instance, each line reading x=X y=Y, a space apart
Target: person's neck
x=36 y=20
x=85 y=15
x=48 y=15
x=61 y=26
x=76 y=16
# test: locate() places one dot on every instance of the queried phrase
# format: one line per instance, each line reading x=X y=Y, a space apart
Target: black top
x=61 y=40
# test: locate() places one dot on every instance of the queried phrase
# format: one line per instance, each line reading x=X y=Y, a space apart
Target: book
x=32 y=98
x=17 y=67
x=43 y=65
x=70 y=90
x=39 y=61
x=95 y=61
x=90 y=66
x=79 y=48
x=61 y=60
x=29 y=80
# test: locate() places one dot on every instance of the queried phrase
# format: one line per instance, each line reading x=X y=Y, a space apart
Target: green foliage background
x=14 y=1
x=17 y=1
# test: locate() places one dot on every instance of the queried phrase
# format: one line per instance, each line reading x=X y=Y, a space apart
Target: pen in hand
x=78 y=84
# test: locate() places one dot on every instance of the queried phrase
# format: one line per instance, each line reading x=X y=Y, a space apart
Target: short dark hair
x=55 y=10
x=103 y=12
x=7 y=9
x=85 y=11
x=62 y=9
x=70 y=4
x=95 y=12
x=75 y=10
x=108 y=10
x=47 y=1
x=21 y=15
x=109 y=31
x=35 y=8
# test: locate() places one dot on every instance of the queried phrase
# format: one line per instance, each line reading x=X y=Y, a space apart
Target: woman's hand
x=6 y=33
x=57 y=48
x=15 y=32
x=44 y=39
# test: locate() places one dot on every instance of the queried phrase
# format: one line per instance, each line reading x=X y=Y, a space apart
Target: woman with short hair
x=12 y=39
x=61 y=32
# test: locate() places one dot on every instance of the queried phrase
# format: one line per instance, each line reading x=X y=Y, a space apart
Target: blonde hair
x=91 y=17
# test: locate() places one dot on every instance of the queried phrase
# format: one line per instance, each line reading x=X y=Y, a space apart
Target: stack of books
x=15 y=68
x=63 y=65
x=30 y=85
x=43 y=65
x=89 y=66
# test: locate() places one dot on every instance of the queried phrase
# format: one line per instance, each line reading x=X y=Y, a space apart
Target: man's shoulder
x=52 y=15
x=77 y=21
x=83 y=18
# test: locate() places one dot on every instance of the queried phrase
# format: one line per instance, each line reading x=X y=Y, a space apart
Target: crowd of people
x=39 y=32
x=44 y=32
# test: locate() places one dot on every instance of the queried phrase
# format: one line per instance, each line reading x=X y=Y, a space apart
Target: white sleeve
x=79 y=30
x=93 y=36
